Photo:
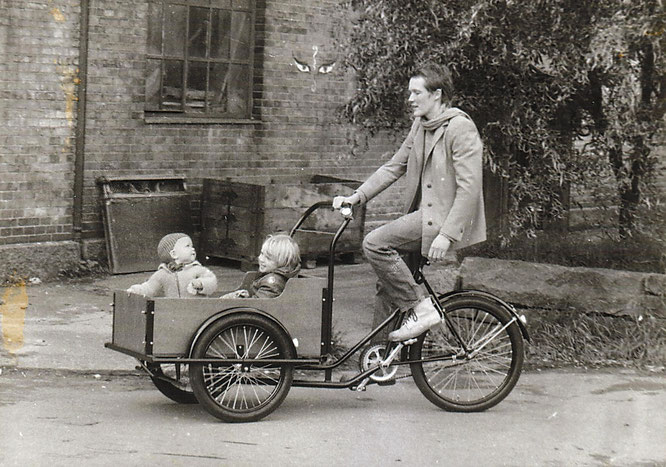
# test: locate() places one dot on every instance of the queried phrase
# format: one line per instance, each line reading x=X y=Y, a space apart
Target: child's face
x=183 y=252
x=266 y=264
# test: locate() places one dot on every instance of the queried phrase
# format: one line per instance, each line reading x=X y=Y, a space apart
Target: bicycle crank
x=373 y=356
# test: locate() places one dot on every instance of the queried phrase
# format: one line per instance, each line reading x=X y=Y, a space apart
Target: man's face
x=183 y=252
x=423 y=102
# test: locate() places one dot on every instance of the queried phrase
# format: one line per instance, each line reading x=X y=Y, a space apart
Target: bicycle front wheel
x=482 y=377
x=240 y=392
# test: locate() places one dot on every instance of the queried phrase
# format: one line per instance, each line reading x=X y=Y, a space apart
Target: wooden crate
x=236 y=216
x=137 y=213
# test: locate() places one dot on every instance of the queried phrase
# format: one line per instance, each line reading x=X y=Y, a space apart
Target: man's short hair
x=437 y=76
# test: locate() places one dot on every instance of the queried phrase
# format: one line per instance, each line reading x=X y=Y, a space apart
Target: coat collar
x=448 y=114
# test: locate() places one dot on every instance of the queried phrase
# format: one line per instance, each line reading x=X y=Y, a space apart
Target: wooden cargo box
x=168 y=330
x=237 y=215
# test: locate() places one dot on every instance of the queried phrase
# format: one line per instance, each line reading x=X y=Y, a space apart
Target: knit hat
x=166 y=245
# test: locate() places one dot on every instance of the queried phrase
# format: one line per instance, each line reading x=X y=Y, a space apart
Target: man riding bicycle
x=441 y=159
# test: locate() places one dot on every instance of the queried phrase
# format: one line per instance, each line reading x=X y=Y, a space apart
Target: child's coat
x=173 y=284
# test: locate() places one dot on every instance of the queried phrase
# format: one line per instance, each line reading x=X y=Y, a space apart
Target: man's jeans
x=382 y=248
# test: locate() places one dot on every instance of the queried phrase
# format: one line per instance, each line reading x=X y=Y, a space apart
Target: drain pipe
x=80 y=131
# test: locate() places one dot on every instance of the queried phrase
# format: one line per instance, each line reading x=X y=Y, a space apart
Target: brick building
x=193 y=88
x=91 y=88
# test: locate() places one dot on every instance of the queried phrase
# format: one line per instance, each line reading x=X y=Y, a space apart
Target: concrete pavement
x=63 y=325
x=567 y=417
x=552 y=418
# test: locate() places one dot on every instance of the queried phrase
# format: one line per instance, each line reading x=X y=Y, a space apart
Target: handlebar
x=346 y=212
x=327 y=306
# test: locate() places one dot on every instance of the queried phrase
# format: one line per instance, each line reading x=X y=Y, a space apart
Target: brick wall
x=296 y=129
x=38 y=76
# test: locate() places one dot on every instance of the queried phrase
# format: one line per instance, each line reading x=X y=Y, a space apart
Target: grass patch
x=578 y=339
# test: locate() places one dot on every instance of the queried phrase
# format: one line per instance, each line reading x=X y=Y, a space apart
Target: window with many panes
x=199 y=58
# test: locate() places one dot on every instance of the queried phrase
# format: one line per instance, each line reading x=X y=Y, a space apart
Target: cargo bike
x=238 y=358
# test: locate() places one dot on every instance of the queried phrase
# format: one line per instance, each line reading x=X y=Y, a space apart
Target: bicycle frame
x=327 y=321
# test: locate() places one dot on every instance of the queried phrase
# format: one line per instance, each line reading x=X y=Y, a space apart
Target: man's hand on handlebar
x=340 y=201
x=345 y=203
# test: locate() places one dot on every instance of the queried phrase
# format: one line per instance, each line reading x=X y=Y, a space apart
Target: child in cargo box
x=179 y=275
x=279 y=261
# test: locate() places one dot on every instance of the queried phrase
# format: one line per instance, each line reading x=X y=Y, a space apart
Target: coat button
x=429 y=222
x=429 y=205
x=428 y=185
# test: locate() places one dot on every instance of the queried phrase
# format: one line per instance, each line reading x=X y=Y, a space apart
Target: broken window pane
x=240 y=35
x=198 y=32
x=217 y=99
x=238 y=93
x=172 y=85
x=219 y=37
x=174 y=27
x=196 y=85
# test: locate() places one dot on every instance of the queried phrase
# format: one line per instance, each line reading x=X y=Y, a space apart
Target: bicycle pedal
x=389 y=382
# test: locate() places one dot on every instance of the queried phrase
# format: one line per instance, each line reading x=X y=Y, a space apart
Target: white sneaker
x=423 y=317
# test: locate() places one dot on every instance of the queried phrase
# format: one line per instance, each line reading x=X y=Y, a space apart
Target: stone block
x=655 y=284
x=567 y=288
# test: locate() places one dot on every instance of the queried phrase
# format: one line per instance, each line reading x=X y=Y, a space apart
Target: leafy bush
x=561 y=90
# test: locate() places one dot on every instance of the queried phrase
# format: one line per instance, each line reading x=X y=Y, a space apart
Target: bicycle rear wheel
x=487 y=374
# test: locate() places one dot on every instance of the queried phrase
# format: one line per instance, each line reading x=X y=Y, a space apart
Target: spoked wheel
x=165 y=380
x=487 y=374
x=239 y=392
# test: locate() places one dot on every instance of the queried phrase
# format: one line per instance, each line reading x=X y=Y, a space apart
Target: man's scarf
x=439 y=120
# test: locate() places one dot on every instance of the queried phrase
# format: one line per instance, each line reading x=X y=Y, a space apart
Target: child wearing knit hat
x=279 y=261
x=179 y=275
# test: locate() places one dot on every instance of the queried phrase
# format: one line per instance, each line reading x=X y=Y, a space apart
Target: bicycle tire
x=469 y=384
x=239 y=392
x=170 y=390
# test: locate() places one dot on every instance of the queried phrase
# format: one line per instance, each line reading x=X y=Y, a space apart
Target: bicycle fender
x=487 y=295
x=231 y=311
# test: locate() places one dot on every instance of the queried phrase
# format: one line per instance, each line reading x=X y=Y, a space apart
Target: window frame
x=184 y=114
